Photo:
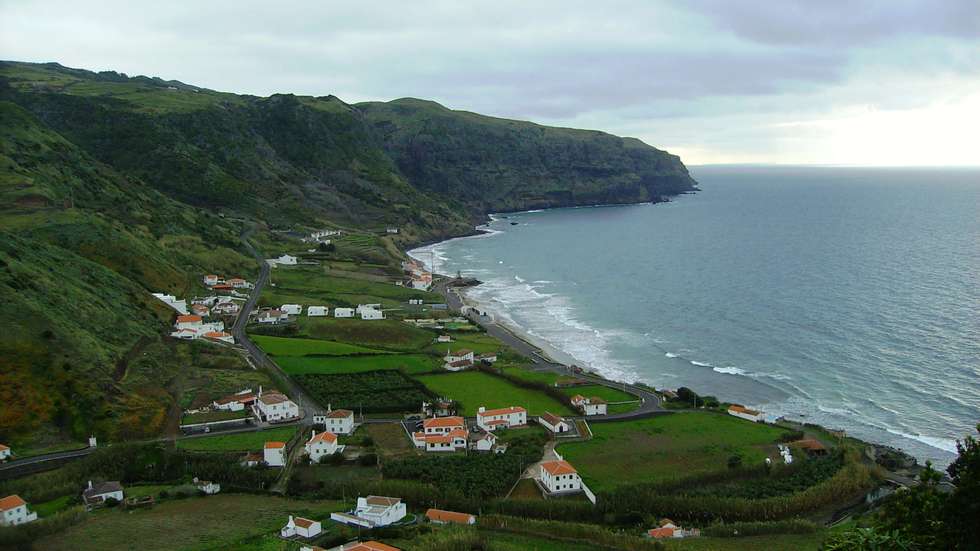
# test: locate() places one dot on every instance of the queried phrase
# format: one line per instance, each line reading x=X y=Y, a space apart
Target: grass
x=390 y=440
x=316 y=287
x=773 y=542
x=409 y=363
x=212 y=416
x=474 y=389
x=546 y=377
x=606 y=393
x=386 y=334
x=51 y=507
x=193 y=524
x=238 y=442
x=285 y=346
x=479 y=343
x=526 y=489
x=667 y=447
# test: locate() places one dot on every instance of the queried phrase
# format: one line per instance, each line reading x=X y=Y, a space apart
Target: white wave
x=730 y=370
x=701 y=364
x=533 y=211
x=945 y=444
x=519 y=279
x=670 y=355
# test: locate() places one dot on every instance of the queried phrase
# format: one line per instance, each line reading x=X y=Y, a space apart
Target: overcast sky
x=716 y=81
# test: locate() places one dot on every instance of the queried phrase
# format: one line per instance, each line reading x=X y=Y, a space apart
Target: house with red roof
x=275 y=407
x=274 y=454
x=322 y=445
x=5 y=452
x=236 y=402
x=559 y=477
x=301 y=527
x=743 y=412
x=337 y=421
x=667 y=529
x=356 y=546
x=13 y=511
x=439 y=516
x=493 y=419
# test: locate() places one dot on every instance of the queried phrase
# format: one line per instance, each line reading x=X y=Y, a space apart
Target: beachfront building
x=343 y=312
x=302 y=527
x=439 y=516
x=275 y=407
x=316 y=311
x=337 y=421
x=373 y=512
x=322 y=445
x=96 y=494
x=553 y=423
x=493 y=419
x=559 y=477
x=743 y=412
x=274 y=454
x=13 y=511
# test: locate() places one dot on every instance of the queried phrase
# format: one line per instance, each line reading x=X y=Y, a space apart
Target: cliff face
x=493 y=164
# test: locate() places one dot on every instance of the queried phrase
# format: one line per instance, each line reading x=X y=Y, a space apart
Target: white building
x=302 y=527
x=5 y=453
x=291 y=309
x=337 y=421
x=285 y=260
x=275 y=407
x=236 y=402
x=190 y=321
x=13 y=511
x=441 y=434
x=559 y=477
x=368 y=314
x=553 y=423
x=239 y=283
x=439 y=516
x=415 y=301
x=459 y=365
x=493 y=419
x=211 y=280
x=745 y=413
x=220 y=336
x=444 y=338
x=272 y=316
x=274 y=454
x=208 y=487
x=343 y=312
x=180 y=305
x=485 y=442
x=316 y=311
x=589 y=406
x=391 y=230
x=322 y=445
x=225 y=309
x=373 y=511
x=463 y=354
x=97 y=494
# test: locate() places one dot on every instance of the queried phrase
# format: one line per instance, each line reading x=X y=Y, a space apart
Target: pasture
x=409 y=363
x=285 y=346
x=236 y=442
x=474 y=389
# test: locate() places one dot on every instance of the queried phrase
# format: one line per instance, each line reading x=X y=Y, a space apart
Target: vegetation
x=472 y=389
x=368 y=391
x=237 y=442
x=409 y=363
x=279 y=346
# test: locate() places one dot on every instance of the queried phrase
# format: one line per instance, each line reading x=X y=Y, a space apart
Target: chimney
x=482 y=409
x=89 y=484
x=312 y=436
x=328 y=408
x=260 y=390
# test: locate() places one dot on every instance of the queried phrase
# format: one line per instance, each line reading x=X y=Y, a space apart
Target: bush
x=734 y=461
x=792 y=436
x=744 y=529
x=368 y=460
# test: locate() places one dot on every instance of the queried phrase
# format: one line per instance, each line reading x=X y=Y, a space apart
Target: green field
x=604 y=392
x=212 y=416
x=477 y=342
x=311 y=285
x=474 y=389
x=385 y=334
x=285 y=346
x=51 y=507
x=409 y=363
x=544 y=377
x=194 y=524
x=390 y=440
x=238 y=442
x=667 y=447
x=775 y=542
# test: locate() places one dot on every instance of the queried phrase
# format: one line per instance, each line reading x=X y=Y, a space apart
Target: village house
x=274 y=454
x=370 y=314
x=438 y=516
x=275 y=407
x=220 y=336
x=391 y=230
x=443 y=425
x=422 y=282
x=415 y=302
x=208 y=487
x=285 y=260
x=459 y=365
x=743 y=412
x=487 y=442
x=291 y=309
x=356 y=546
x=96 y=494
x=316 y=311
x=13 y=511
x=553 y=423
x=222 y=287
x=322 y=445
x=444 y=338
x=302 y=527
x=337 y=421
x=449 y=442
x=272 y=316
x=589 y=406
x=441 y=407
x=239 y=283
x=190 y=321
x=211 y=280
x=252 y=459
x=810 y=446
x=493 y=419
x=487 y=359
x=235 y=402
x=200 y=309
x=463 y=354
x=225 y=309
x=373 y=512
x=343 y=312
x=667 y=529
x=5 y=453
x=558 y=477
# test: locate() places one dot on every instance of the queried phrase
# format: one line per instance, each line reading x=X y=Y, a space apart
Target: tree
x=867 y=539
x=962 y=509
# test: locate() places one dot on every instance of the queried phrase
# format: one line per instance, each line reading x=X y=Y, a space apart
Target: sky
x=870 y=83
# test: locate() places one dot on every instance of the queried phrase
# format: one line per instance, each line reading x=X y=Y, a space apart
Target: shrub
x=743 y=529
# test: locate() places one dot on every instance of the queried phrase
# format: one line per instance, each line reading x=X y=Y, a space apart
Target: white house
x=274 y=454
x=559 y=477
x=274 y=407
x=97 y=494
x=421 y=282
x=589 y=406
x=190 y=321
x=553 y=423
x=316 y=311
x=272 y=316
x=291 y=309
x=322 y=445
x=449 y=442
x=200 y=310
x=463 y=354
x=225 y=309
x=493 y=419
x=745 y=413
x=443 y=425
x=368 y=314
x=391 y=230
x=415 y=301
x=439 y=516
x=487 y=358
x=235 y=402
x=211 y=280
x=485 y=442
x=5 y=453
x=459 y=365
x=180 y=305
x=373 y=511
x=361 y=307
x=239 y=283
x=208 y=487
x=444 y=338
x=337 y=421
x=286 y=260
x=13 y=511
x=343 y=312
x=302 y=527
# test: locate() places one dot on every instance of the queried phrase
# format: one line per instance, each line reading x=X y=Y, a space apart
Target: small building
x=13 y=511
x=274 y=454
x=493 y=419
x=343 y=312
x=438 y=516
x=415 y=302
x=595 y=406
x=373 y=512
x=322 y=445
x=190 y=321
x=208 y=487
x=463 y=354
x=371 y=314
x=5 y=452
x=239 y=283
x=272 y=316
x=559 y=477
x=443 y=425
x=667 y=529
x=252 y=459
x=459 y=365
x=356 y=546
x=440 y=407
x=444 y=338
x=302 y=527
x=487 y=359
x=451 y=441
x=810 y=446
x=200 y=309
x=225 y=309
x=211 y=280
x=275 y=407
x=95 y=495
x=291 y=309
x=286 y=260
x=553 y=423
x=220 y=336
x=235 y=402
x=316 y=311
x=391 y=230
x=486 y=442
x=337 y=421
x=743 y=412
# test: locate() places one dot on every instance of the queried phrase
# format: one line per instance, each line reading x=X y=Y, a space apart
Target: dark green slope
x=495 y=164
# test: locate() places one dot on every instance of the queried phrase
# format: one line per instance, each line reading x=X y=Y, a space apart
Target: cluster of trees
x=598 y=536
x=688 y=397
x=380 y=391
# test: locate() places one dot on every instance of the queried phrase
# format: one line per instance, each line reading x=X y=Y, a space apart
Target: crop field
x=285 y=346
x=237 y=442
x=384 y=334
x=474 y=389
x=370 y=391
x=667 y=447
x=194 y=524
x=409 y=363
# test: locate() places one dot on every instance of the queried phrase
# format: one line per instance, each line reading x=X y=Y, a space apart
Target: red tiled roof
x=2 y=447
x=372 y=546
x=11 y=502
x=558 y=467
x=303 y=522
x=273 y=398
x=742 y=409
x=661 y=532
x=439 y=422
x=274 y=445
x=338 y=413
x=382 y=500
x=188 y=319
x=448 y=516
x=502 y=411
x=328 y=437
x=551 y=418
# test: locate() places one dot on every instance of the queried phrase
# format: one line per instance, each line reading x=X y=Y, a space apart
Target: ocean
x=848 y=297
